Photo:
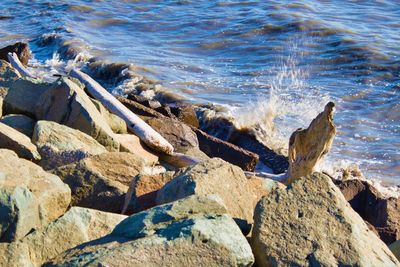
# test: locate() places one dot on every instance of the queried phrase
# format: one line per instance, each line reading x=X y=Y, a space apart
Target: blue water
x=266 y=62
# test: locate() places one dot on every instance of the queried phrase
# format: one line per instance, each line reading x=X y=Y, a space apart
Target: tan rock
x=131 y=143
x=262 y=186
x=19 y=122
x=190 y=232
x=30 y=198
x=143 y=190
x=101 y=181
x=311 y=224
x=66 y=103
x=213 y=177
x=7 y=76
x=18 y=142
x=308 y=146
x=117 y=124
x=61 y=145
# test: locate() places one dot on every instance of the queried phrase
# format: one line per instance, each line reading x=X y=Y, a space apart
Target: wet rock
x=143 y=190
x=18 y=142
x=23 y=96
x=215 y=147
x=153 y=104
x=395 y=248
x=66 y=103
x=217 y=177
x=21 y=49
x=308 y=146
x=131 y=143
x=139 y=109
x=178 y=134
x=311 y=224
x=61 y=145
x=101 y=181
x=30 y=198
x=191 y=232
x=117 y=124
x=8 y=75
x=21 y=123
x=382 y=213
x=186 y=114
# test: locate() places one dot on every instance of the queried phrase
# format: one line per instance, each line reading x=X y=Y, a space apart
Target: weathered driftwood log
x=308 y=146
x=180 y=160
x=14 y=61
x=276 y=177
x=147 y=134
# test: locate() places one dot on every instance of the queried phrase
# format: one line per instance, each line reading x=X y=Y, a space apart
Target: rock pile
x=69 y=168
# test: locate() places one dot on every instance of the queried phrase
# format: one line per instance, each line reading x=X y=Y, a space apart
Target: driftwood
x=147 y=134
x=180 y=160
x=308 y=146
x=16 y=64
x=276 y=177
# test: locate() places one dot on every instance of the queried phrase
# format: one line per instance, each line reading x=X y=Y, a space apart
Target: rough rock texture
x=30 y=198
x=308 y=146
x=18 y=142
x=21 y=49
x=178 y=134
x=191 y=232
x=101 y=181
x=76 y=226
x=395 y=248
x=23 y=96
x=143 y=190
x=61 y=145
x=186 y=114
x=311 y=224
x=215 y=147
x=19 y=122
x=7 y=76
x=213 y=176
x=382 y=213
x=131 y=143
x=262 y=186
x=67 y=103
x=117 y=124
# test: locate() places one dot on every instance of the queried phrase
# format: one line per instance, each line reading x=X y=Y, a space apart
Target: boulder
x=76 y=226
x=21 y=49
x=381 y=212
x=308 y=146
x=23 y=96
x=311 y=224
x=117 y=124
x=131 y=143
x=30 y=198
x=186 y=114
x=178 y=134
x=66 y=103
x=19 y=122
x=1 y=107
x=61 y=145
x=395 y=248
x=213 y=177
x=101 y=181
x=262 y=186
x=8 y=75
x=143 y=190
x=190 y=232
x=18 y=142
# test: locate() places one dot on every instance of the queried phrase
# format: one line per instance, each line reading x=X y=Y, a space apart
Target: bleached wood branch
x=135 y=124
x=282 y=177
x=180 y=160
x=16 y=64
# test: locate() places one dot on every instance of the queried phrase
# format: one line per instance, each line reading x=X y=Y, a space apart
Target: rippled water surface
x=260 y=59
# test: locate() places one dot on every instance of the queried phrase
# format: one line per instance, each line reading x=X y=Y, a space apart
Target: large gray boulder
x=30 y=198
x=21 y=123
x=101 y=181
x=7 y=76
x=77 y=226
x=18 y=142
x=213 y=177
x=61 y=145
x=190 y=232
x=311 y=224
x=66 y=103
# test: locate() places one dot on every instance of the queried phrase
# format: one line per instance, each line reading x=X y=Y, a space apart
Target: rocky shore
x=78 y=188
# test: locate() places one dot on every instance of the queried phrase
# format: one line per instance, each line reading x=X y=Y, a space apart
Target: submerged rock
x=30 y=198
x=190 y=232
x=308 y=146
x=61 y=145
x=311 y=224
x=101 y=181
x=67 y=103
x=21 y=123
x=21 y=49
x=18 y=142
